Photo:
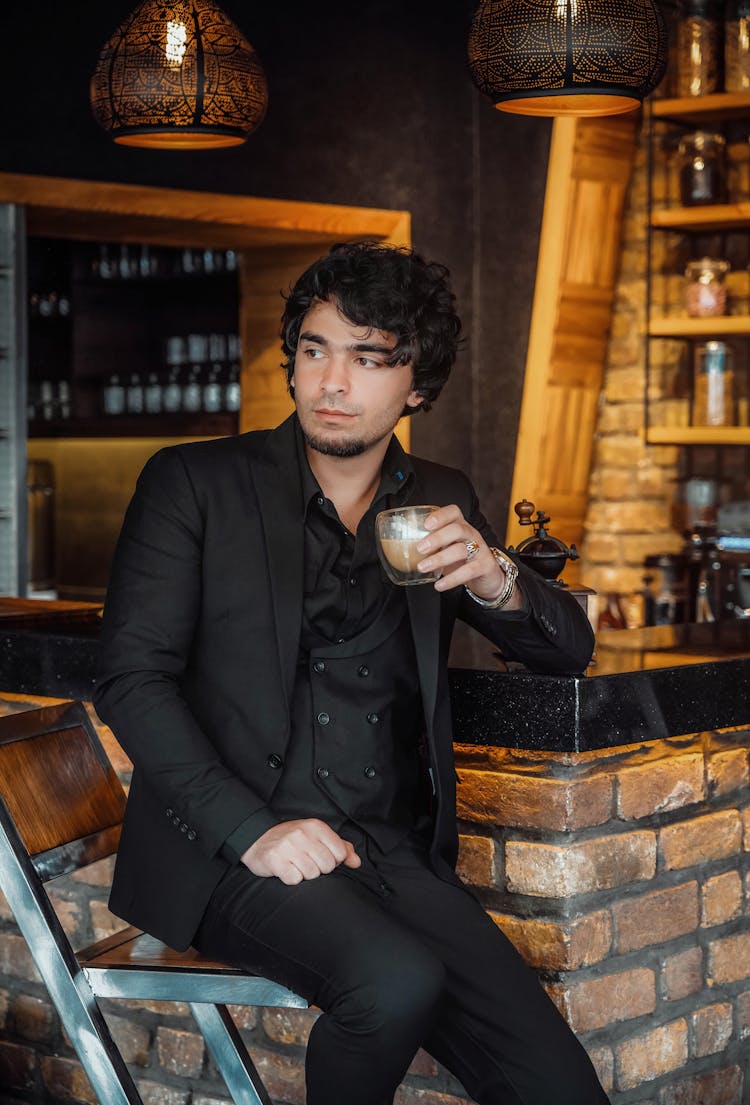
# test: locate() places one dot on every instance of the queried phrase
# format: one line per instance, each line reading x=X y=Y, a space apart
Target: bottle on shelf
x=703 y=168
x=134 y=395
x=152 y=395
x=737 y=46
x=63 y=399
x=113 y=396
x=713 y=385
x=172 y=393
x=213 y=391
x=705 y=287
x=232 y=389
x=192 y=391
x=699 y=49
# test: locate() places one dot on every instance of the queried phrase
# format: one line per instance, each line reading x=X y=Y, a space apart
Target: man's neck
x=349 y=482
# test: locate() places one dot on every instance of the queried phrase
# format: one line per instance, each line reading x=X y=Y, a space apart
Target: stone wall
x=634 y=488
x=622 y=877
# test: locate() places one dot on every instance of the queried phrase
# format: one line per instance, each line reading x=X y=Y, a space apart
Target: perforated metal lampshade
x=567 y=57
x=178 y=75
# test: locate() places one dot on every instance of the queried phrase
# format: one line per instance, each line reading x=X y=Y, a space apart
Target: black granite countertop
x=646 y=684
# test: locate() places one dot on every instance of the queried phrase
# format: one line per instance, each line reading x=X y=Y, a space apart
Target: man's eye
x=313 y=353
x=368 y=362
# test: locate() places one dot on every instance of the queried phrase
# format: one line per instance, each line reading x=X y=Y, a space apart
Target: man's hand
x=450 y=535
x=297 y=850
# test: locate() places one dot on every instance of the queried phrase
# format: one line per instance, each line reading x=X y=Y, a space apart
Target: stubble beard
x=355 y=447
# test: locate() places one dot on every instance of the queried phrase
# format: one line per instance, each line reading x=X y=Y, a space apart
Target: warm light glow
x=581 y=106
x=176 y=44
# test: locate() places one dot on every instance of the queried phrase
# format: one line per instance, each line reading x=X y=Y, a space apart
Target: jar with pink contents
x=705 y=289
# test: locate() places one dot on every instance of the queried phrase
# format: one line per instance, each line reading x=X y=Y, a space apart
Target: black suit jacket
x=199 y=650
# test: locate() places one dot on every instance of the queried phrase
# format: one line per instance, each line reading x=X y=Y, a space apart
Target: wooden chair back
x=58 y=788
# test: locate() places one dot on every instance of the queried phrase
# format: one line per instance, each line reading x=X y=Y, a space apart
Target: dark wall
x=370 y=103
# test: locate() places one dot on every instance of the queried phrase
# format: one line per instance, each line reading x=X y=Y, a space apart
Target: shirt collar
x=397 y=473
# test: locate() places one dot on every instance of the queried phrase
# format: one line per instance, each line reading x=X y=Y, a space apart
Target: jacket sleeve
x=552 y=634
x=150 y=617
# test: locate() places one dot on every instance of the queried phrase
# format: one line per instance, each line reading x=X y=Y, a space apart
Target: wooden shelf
x=686 y=327
x=698 y=435
x=159 y=425
x=702 y=109
x=714 y=216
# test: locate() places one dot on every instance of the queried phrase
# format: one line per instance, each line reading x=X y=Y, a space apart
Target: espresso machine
x=709 y=580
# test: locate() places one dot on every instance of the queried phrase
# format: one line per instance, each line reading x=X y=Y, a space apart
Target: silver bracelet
x=511 y=572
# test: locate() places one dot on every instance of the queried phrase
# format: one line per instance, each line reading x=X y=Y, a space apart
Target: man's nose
x=335 y=375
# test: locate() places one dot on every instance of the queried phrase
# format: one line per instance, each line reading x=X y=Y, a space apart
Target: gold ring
x=472 y=548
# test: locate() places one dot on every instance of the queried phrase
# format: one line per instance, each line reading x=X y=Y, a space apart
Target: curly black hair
x=387 y=288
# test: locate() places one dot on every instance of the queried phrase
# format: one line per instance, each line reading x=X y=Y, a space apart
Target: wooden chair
x=61 y=806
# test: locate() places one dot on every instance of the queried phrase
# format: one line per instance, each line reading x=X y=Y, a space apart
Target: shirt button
x=319 y=500
x=323 y=717
x=319 y=666
x=373 y=719
x=353 y=581
x=322 y=772
x=370 y=772
x=363 y=670
x=274 y=760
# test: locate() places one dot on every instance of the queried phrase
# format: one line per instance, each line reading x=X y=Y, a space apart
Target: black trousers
x=397 y=958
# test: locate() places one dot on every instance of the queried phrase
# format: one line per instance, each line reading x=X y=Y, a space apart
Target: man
x=292 y=809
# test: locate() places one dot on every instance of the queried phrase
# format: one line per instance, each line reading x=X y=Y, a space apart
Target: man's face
x=348 y=398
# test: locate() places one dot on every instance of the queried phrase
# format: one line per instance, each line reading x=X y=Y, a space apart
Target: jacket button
x=274 y=760
x=370 y=772
x=170 y=813
x=322 y=772
x=363 y=670
x=192 y=834
x=319 y=667
x=373 y=719
x=324 y=718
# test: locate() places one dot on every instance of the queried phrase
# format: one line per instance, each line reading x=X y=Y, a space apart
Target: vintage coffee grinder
x=546 y=554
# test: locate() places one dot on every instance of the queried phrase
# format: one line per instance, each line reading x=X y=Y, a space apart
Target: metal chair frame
x=75 y=980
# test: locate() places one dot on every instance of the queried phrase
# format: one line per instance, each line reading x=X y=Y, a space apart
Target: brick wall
x=634 y=487
x=623 y=877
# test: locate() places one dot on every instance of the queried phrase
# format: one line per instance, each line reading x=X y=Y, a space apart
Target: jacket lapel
x=275 y=475
x=424 y=612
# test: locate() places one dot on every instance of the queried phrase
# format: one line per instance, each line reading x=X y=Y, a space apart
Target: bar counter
x=644 y=684
x=604 y=824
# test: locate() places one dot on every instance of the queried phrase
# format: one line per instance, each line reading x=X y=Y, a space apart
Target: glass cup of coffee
x=397 y=533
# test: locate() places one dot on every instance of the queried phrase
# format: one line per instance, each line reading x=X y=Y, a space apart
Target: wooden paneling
x=588 y=174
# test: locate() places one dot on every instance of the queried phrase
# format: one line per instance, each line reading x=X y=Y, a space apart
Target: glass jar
x=737 y=46
x=703 y=168
x=705 y=289
x=713 y=385
x=698 y=49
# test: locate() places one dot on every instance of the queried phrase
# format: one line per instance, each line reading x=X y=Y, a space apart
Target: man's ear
x=414 y=399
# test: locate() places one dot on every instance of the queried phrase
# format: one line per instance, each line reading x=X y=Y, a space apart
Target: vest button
x=319 y=667
x=274 y=760
x=363 y=670
x=323 y=717
x=322 y=772
x=373 y=719
x=370 y=772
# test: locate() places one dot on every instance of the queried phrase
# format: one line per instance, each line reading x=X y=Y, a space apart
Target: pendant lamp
x=567 y=57
x=178 y=75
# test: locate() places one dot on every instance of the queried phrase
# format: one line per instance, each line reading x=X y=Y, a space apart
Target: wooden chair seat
x=61 y=806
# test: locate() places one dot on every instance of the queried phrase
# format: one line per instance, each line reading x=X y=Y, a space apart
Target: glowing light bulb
x=175 y=45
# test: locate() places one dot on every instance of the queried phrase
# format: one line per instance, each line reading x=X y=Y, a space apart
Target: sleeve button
x=373 y=719
x=319 y=667
x=274 y=760
x=363 y=671
x=192 y=834
x=370 y=772
x=323 y=717
x=322 y=772
x=170 y=813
